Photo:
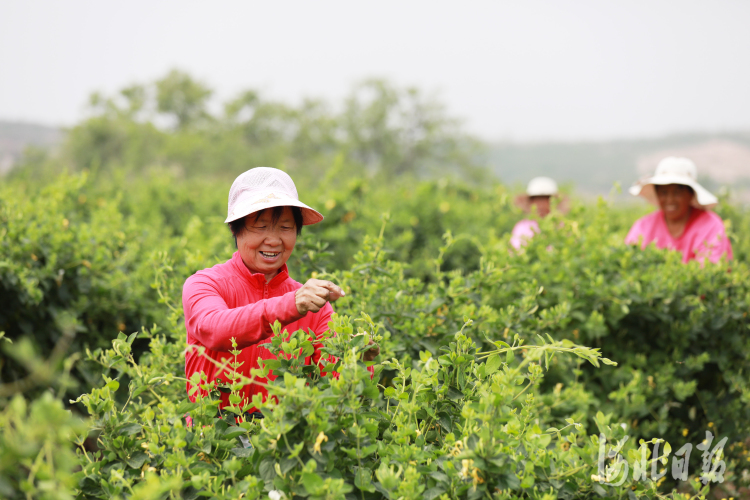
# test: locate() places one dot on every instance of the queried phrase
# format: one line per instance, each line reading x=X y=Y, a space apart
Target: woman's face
x=674 y=201
x=541 y=203
x=265 y=246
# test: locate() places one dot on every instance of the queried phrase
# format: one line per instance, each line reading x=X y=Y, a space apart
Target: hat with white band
x=541 y=186
x=673 y=170
x=263 y=187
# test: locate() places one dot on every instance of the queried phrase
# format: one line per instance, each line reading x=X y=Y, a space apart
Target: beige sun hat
x=262 y=187
x=541 y=186
x=673 y=170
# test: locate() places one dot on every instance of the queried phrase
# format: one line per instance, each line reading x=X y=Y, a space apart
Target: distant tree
x=136 y=97
x=399 y=131
x=177 y=94
x=292 y=136
x=262 y=123
x=381 y=128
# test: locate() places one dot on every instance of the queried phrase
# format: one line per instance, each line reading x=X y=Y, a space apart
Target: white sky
x=521 y=69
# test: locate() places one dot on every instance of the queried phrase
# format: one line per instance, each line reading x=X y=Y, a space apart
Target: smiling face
x=265 y=245
x=674 y=201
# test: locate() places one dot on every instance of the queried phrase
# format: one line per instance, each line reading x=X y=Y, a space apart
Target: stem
x=522 y=391
x=290 y=451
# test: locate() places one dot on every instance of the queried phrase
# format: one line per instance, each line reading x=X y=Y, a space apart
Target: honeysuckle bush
x=77 y=268
x=71 y=267
x=396 y=435
x=677 y=332
x=37 y=451
x=463 y=424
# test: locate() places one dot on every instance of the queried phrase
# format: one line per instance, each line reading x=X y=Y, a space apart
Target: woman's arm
x=211 y=322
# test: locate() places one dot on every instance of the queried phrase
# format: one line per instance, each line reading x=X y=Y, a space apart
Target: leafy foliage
x=378 y=129
x=484 y=386
x=509 y=386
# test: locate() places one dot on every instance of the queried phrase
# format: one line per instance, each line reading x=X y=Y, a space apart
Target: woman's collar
x=259 y=278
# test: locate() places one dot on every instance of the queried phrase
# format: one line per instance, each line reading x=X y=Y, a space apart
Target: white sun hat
x=673 y=170
x=262 y=187
x=541 y=186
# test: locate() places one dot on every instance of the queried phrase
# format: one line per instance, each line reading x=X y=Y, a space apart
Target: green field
x=499 y=370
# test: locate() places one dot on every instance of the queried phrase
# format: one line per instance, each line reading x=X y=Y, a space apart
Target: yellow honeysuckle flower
x=318 y=441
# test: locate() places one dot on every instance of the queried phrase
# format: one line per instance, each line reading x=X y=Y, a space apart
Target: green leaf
x=138 y=390
x=312 y=482
x=186 y=407
x=233 y=431
x=363 y=479
x=266 y=469
x=357 y=341
x=297 y=449
x=287 y=464
x=272 y=364
x=433 y=492
x=493 y=364
x=509 y=357
x=445 y=361
x=512 y=482
x=445 y=423
x=130 y=429
x=137 y=460
x=528 y=481
x=369 y=450
x=242 y=452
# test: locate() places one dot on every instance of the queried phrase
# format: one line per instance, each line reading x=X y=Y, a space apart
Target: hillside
x=590 y=168
x=15 y=137
x=593 y=167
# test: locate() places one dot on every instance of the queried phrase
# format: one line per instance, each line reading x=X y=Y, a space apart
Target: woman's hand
x=315 y=293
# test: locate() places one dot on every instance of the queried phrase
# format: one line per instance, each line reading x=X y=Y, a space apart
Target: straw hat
x=672 y=170
x=541 y=186
x=262 y=187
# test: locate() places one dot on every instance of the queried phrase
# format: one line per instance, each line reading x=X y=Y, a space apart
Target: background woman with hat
x=539 y=193
x=683 y=222
x=244 y=296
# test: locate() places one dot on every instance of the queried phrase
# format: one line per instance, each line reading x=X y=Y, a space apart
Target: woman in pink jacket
x=538 y=197
x=683 y=221
x=244 y=296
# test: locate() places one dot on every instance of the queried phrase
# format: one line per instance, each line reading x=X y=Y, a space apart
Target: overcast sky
x=520 y=70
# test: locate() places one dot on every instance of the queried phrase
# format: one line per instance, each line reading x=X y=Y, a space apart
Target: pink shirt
x=523 y=231
x=704 y=235
x=227 y=301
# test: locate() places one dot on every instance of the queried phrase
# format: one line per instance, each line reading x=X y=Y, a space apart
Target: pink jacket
x=226 y=301
x=704 y=235
x=522 y=232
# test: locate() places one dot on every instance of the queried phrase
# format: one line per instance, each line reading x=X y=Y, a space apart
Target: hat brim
x=702 y=199
x=247 y=207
